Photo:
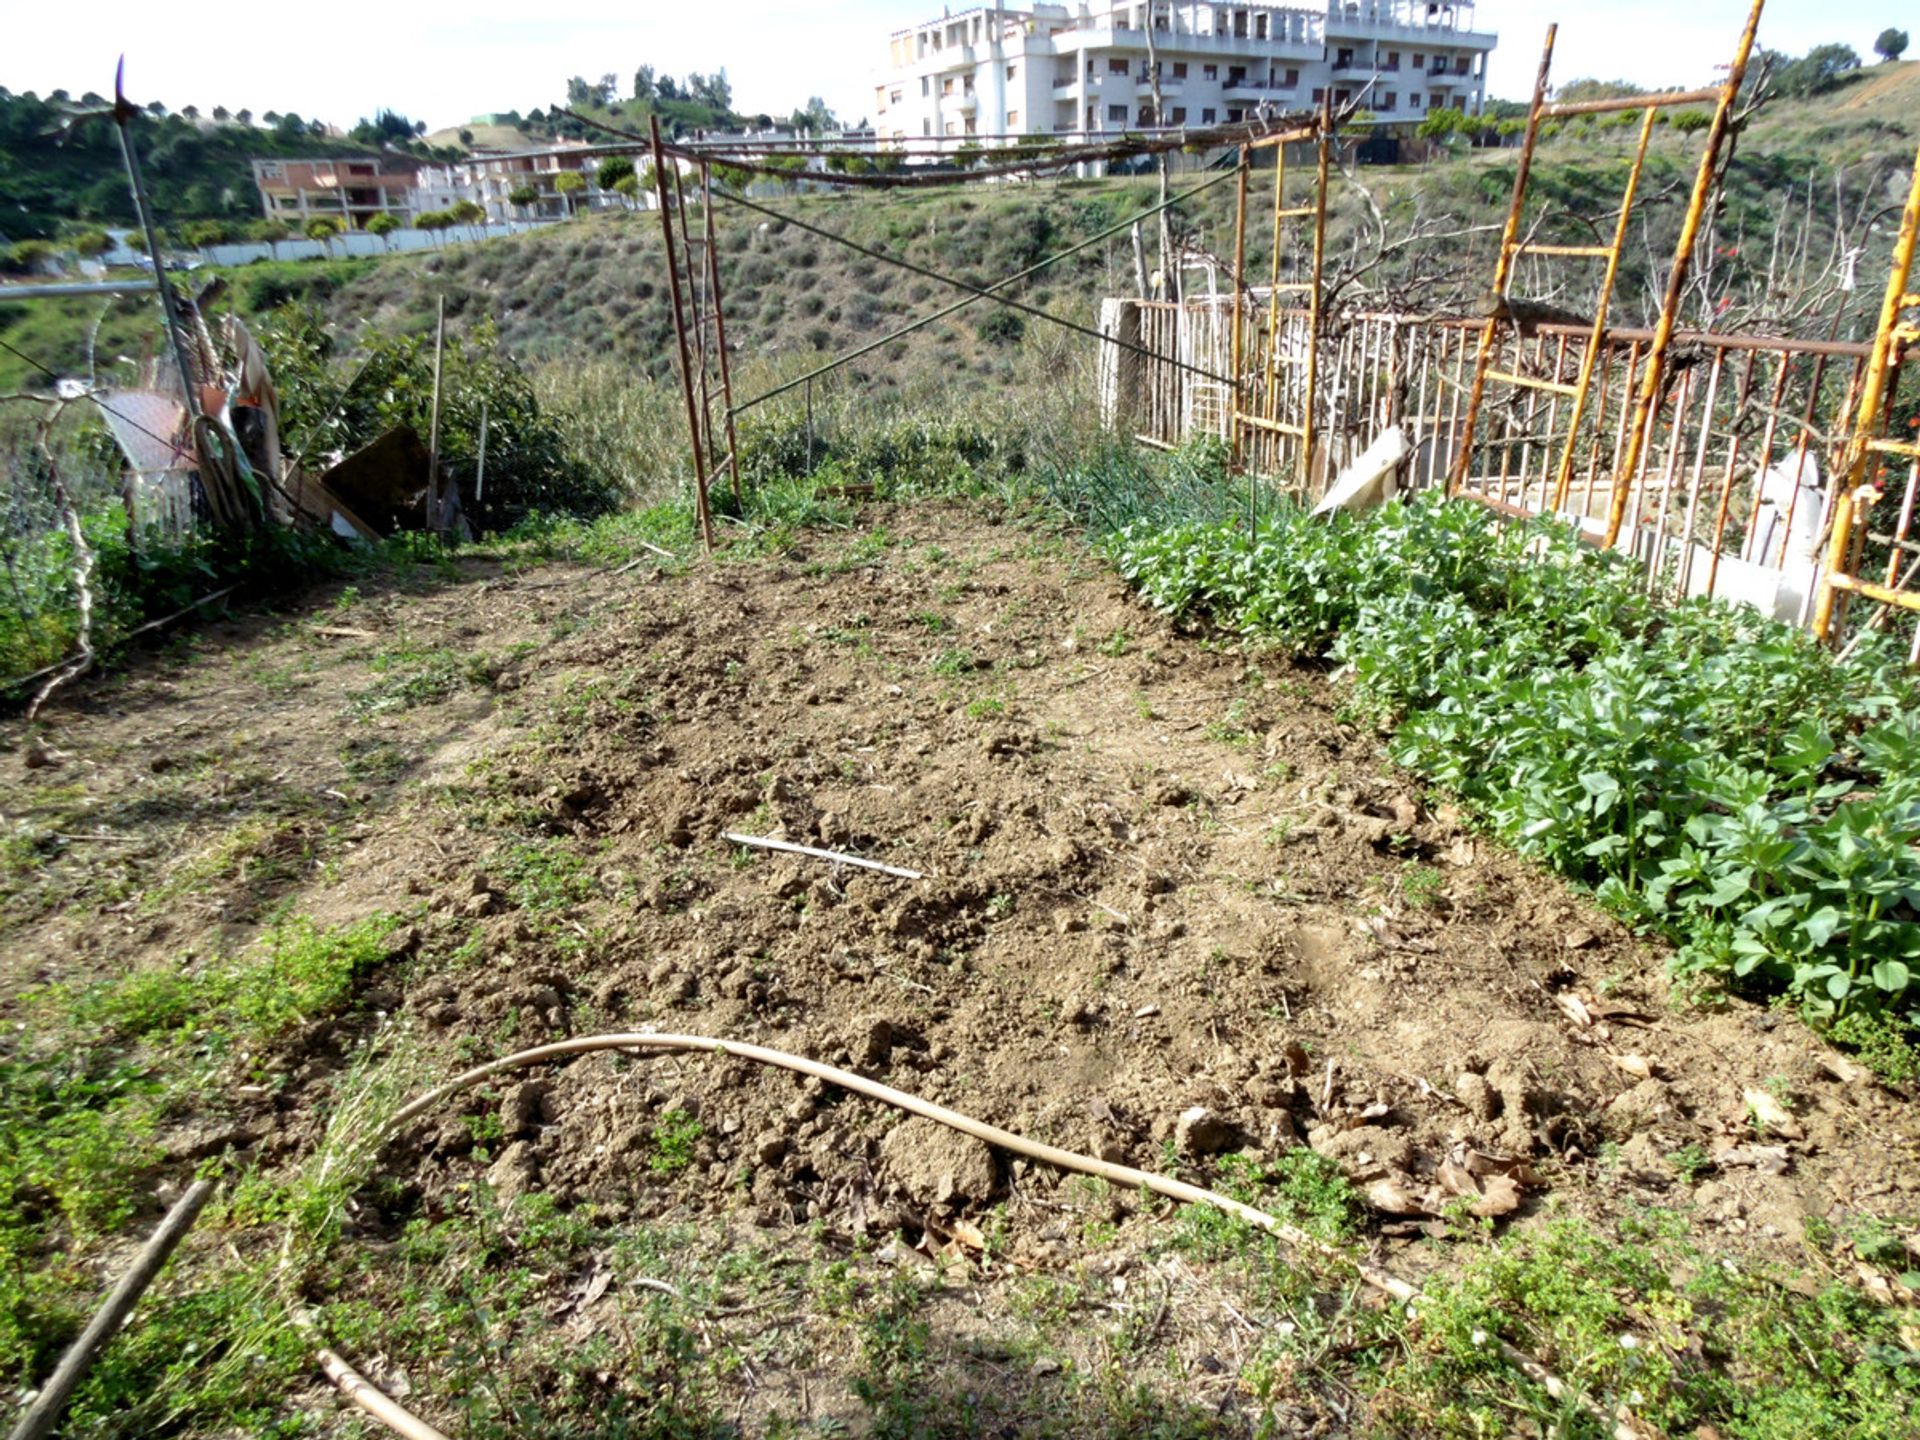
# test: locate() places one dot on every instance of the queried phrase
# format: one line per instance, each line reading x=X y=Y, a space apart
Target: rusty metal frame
x=1653 y=373
x=1853 y=500
x=1254 y=430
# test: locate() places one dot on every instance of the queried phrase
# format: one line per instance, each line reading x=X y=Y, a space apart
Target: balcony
x=1143 y=83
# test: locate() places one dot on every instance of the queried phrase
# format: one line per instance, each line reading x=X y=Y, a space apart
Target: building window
x=953 y=127
x=271 y=170
x=970 y=127
x=1391 y=102
x=1210 y=72
x=894 y=97
x=1419 y=62
x=1179 y=69
x=967 y=84
x=1318 y=96
x=1413 y=101
x=1146 y=116
x=1177 y=115
x=1393 y=60
x=1013 y=119
x=946 y=86
x=1206 y=117
x=926 y=127
x=1117 y=114
x=1233 y=115
x=1013 y=72
x=1293 y=78
x=1116 y=66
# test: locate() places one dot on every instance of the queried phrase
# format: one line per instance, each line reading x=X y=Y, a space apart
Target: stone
x=522 y=1106
x=1480 y=1098
x=770 y=1146
x=479 y=905
x=872 y=1043
x=940 y=1167
x=1200 y=1131
x=515 y=1173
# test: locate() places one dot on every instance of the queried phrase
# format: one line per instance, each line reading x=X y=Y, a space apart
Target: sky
x=445 y=64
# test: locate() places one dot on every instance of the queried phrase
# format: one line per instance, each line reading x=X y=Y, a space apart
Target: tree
x=468 y=212
x=245 y=117
x=579 y=93
x=521 y=196
x=383 y=225
x=816 y=119
x=432 y=221
x=202 y=233
x=1823 y=68
x=627 y=187
x=1891 y=45
x=644 y=88
x=567 y=184
x=268 y=232
x=323 y=228
x=221 y=114
x=668 y=88
x=608 y=90
x=190 y=112
x=613 y=170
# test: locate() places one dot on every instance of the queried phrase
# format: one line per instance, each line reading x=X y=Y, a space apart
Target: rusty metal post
x=1846 y=504
x=680 y=336
x=124 y=112
x=1313 y=295
x=1502 y=270
x=1649 y=397
x=1563 y=481
x=720 y=330
x=1239 y=306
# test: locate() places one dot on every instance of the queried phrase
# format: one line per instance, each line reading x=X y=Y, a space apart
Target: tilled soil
x=1173 y=907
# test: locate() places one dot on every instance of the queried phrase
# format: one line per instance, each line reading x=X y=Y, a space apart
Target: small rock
x=770 y=1146
x=1046 y=1365
x=479 y=905
x=1199 y=1131
x=1480 y=1098
x=938 y=1166
x=480 y=884
x=515 y=1172
x=873 y=1041
x=521 y=1107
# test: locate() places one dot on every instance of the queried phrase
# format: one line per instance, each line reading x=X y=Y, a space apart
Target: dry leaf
x=1395 y=1195
x=1575 y=1008
x=969 y=1234
x=1296 y=1057
x=1499 y=1195
x=1637 y=1066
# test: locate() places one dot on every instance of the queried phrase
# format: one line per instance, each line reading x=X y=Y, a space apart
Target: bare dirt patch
x=1173 y=907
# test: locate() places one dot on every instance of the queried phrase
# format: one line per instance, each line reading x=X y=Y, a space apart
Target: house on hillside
x=351 y=190
x=994 y=75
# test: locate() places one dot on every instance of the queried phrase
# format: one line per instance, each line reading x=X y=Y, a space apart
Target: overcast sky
x=445 y=64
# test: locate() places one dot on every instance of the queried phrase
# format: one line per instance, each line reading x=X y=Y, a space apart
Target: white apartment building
x=1080 y=70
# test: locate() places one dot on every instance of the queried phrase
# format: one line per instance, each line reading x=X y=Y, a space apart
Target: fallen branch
x=788 y=847
x=44 y=1413
x=134 y=634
